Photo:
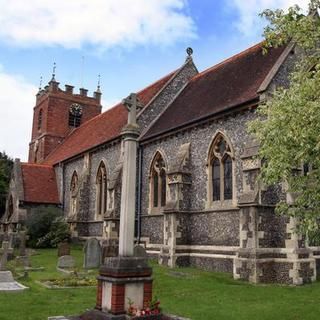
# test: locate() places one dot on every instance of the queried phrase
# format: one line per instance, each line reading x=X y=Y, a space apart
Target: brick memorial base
x=122 y=280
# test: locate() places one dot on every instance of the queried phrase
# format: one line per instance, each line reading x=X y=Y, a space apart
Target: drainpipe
x=139 y=192
x=61 y=165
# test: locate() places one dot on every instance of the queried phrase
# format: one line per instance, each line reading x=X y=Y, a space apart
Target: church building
x=199 y=202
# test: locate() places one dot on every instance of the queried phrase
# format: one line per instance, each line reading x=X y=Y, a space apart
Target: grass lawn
x=189 y=292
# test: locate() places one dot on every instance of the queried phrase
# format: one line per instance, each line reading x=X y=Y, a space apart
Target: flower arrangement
x=152 y=309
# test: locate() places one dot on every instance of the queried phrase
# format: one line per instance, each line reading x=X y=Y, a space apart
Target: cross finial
x=40 y=84
x=98 y=86
x=54 y=72
x=132 y=104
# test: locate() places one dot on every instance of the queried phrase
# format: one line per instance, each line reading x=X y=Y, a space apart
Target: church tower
x=56 y=113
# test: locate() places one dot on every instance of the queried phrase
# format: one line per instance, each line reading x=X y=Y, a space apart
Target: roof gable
x=39 y=183
x=230 y=83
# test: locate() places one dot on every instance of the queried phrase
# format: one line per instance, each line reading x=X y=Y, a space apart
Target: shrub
x=46 y=227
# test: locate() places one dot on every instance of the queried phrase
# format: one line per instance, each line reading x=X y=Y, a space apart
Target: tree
x=46 y=227
x=289 y=127
x=6 y=164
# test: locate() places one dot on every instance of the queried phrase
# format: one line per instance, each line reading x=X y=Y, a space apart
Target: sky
x=130 y=43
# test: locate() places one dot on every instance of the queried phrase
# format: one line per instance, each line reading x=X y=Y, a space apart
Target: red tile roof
x=228 y=84
x=39 y=183
x=101 y=128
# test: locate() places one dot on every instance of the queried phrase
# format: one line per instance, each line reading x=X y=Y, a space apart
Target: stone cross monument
x=126 y=277
x=130 y=135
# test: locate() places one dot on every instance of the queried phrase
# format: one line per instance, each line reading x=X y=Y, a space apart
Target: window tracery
x=220 y=170
x=158 y=182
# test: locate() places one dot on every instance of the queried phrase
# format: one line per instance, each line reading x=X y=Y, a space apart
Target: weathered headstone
x=63 y=249
x=92 y=254
x=22 y=245
x=139 y=251
x=11 y=240
x=110 y=248
x=4 y=251
x=66 y=262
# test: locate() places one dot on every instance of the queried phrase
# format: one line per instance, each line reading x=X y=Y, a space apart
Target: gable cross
x=132 y=104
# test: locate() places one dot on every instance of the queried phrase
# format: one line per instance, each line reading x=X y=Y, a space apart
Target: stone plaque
x=66 y=262
x=92 y=254
x=63 y=249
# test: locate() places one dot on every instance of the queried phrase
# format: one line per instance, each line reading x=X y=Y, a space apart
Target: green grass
x=189 y=292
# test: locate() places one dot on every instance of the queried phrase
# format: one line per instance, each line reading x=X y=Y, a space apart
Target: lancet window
x=158 y=182
x=221 y=170
x=74 y=185
x=101 y=183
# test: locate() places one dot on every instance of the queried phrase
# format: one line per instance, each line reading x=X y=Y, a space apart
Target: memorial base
x=124 y=282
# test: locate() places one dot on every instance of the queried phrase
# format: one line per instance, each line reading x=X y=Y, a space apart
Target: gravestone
x=22 y=245
x=66 y=262
x=139 y=251
x=4 y=251
x=92 y=254
x=110 y=248
x=63 y=249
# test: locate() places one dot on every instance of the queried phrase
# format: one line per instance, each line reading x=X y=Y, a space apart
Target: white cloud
x=249 y=10
x=16 y=101
x=103 y=23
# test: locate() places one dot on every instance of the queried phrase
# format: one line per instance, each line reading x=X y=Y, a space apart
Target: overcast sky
x=131 y=43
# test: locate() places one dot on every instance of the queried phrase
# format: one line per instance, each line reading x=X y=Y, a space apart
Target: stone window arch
x=158 y=183
x=221 y=178
x=101 y=190
x=74 y=187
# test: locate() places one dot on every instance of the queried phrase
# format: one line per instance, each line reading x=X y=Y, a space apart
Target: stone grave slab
x=92 y=254
x=66 y=262
x=8 y=284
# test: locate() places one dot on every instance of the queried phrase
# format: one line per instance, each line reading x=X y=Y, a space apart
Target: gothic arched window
x=40 y=119
x=158 y=185
x=220 y=170
x=101 y=199
x=74 y=185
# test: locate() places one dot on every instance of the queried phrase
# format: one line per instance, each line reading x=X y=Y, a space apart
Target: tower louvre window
x=74 y=120
x=40 y=119
x=75 y=113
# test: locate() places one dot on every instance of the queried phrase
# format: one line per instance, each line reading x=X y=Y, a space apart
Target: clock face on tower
x=76 y=109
